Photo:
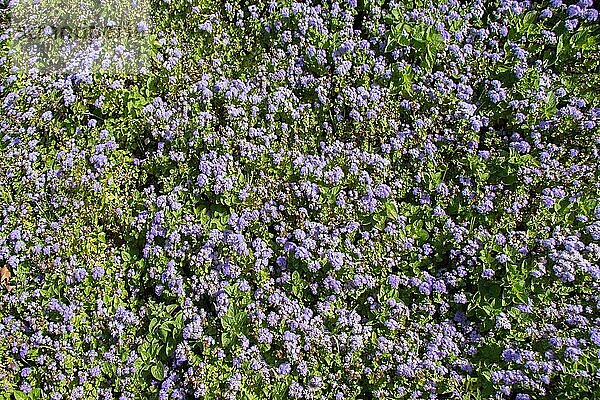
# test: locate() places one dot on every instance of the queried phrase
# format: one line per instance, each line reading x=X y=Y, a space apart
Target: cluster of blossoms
x=350 y=199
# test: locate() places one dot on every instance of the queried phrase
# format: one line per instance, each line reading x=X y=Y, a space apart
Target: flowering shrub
x=353 y=199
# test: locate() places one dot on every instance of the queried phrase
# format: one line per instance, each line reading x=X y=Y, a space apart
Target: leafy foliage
x=335 y=200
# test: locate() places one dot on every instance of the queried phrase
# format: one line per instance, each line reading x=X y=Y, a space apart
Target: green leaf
x=155 y=347
x=529 y=19
x=157 y=371
x=550 y=107
x=226 y=339
x=144 y=352
x=391 y=210
x=231 y=289
x=379 y=221
x=491 y=296
x=240 y=318
x=422 y=234
x=578 y=39
x=559 y=48
x=228 y=319
x=153 y=324
x=164 y=330
x=171 y=308
x=20 y=395
x=179 y=320
x=125 y=256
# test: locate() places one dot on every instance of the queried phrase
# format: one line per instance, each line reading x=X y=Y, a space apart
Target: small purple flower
x=97 y=272
x=336 y=259
x=142 y=27
x=571 y=24
x=80 y=274
x=573 y=11
x=487 y=273
x=394 y=280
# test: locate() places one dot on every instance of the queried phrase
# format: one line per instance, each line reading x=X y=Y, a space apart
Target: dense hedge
x=360 y=199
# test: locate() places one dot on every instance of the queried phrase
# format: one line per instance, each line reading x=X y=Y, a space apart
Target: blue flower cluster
x=349 y=199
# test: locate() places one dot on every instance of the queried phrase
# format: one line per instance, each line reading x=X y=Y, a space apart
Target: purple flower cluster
x=346 y=199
